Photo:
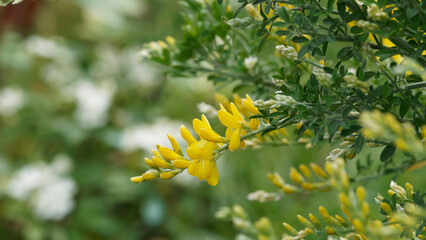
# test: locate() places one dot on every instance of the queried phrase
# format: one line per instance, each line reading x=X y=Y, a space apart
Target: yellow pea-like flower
x=211 y=136
x=168 y=153
x=198 y=124
x=181 y=163
x=187 y=135
x=228 y=120
x=248 y=104
x=341 y=220
x=160 y=162
x=194 y=152
x=235 y=140
x=289 y=189
x=236 y=113
x=289 y=228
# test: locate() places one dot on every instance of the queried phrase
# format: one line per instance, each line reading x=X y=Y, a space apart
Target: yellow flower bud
x=402 y=145
x=346 y=210
x=324 y=213
x=289 y=189
x=211 y=136
x=156 y=153
x=314 y=220
x=386 y=207
x=308 y=186
x=365 y=209
x=309 y=231
x=304 y=221
x=343 y=198
x=234 y=142
x=350 y=155
x=162 y=44
x=391 y=193
x=318 y=170
x=168 y=175
x=228 y=8
x=341 y=220
x=149 y=162
x=137 y=179
x=296 y=176
x=409 y=190
x=329 y=230
x=306 y=172
x=170 y=40
x=358 y=225
x=248 y=104
x=289 y=228
x=254 y=123
x=160 y=162
x=169 y=154
x=276 y=179
x=181 y=163
x=360 y=193
x=150 y=174
x=187 y=135
x=175 y=145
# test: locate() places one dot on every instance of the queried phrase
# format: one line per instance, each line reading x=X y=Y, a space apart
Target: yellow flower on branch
x=203 y=153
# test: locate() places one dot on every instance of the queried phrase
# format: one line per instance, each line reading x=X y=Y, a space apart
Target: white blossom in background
x=93 y=101
x=49 y=48
x=146 y=136
x=250 y=62
x=207 y=109
x=11 y=100
x=46 y=187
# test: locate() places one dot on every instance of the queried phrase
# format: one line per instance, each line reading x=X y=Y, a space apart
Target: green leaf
x=359 y=144
x=332 y=128
x=330 y=5
x=220 y=1
x=404 y=107
x=299 y=39
x=305 y=49
x=345 y=53
x=282 y=12
x=387 y=152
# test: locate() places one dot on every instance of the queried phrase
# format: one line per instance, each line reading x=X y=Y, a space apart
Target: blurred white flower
x=11 y=100
x=48 y=48
x=146 y=137
x=93 y=102
x=48 y=191
x=55 y=200
x=207 y=109
x=250 y=62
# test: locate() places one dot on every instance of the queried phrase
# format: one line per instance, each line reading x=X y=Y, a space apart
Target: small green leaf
x=282 y=12
x=220 y=1
x=387 y=152
x=330 y=5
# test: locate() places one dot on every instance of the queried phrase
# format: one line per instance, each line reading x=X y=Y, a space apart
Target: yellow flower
x=204 y=169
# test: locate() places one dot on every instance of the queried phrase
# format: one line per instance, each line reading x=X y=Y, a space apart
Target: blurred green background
x=78 y=112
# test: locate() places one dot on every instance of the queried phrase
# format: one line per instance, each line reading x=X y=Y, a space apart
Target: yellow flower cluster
x=384 y=126
x=203 y=153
